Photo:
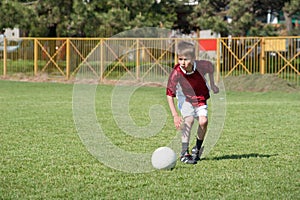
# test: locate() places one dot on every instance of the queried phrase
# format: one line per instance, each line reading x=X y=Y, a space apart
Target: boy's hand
x=215 y=89
x=177 y=121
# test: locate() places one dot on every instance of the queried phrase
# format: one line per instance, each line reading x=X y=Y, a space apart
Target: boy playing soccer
x=188 y=75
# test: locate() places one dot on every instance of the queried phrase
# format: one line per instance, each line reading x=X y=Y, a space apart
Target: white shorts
x=189 y=110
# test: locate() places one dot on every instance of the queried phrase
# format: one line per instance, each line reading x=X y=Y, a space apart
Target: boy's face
x=186 y=62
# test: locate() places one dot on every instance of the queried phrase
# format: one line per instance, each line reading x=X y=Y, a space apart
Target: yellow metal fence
x=272 y=55
x=146 y=59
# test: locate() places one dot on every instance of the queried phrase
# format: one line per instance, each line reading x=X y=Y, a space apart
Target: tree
x=154 y=14
x=291 y=8
x=51 y=15
x=247 y=17
x=211 y=14
x=242 y=17
x=13 y=15
x=105 y=18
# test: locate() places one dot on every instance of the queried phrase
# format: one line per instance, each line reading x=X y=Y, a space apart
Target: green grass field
x=42 y=156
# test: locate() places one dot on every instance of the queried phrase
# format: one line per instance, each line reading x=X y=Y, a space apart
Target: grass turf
x=42 y=156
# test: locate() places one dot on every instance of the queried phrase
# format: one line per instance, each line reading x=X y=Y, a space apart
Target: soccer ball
x=164 y=158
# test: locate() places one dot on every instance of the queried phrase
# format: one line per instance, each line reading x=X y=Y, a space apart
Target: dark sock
x=185 y=147
x=199 y=143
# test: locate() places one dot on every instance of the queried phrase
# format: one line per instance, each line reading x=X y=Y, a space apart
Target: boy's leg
x=187 y=113
x=186 y=132
x=185 y=138
x=201 y=132
x=202 y=127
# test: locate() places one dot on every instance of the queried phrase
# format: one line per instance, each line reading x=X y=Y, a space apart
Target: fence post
x=4 y=57
x=197 y=49
x=175 y=51
x=101 y=60
x=137 y=60
x=35 y=55
x=218 y=60
x=68 y=59
x=262 y=56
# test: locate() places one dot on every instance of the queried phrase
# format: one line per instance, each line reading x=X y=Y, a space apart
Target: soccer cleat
x=196 y=154
x=188 y=159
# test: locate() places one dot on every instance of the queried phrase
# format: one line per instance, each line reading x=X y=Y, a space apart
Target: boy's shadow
x=251 y=155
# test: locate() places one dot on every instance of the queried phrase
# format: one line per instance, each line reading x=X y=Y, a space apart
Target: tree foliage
x=105 y=18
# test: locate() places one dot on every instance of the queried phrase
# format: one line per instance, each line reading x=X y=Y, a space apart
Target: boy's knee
x=189 y=120
x=203 y=121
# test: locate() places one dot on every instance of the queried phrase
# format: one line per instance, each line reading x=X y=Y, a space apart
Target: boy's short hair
x=185 y=48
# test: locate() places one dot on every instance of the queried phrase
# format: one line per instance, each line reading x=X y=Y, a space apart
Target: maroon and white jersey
x=193 y=84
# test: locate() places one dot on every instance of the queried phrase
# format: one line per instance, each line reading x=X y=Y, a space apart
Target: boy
x=189 y=74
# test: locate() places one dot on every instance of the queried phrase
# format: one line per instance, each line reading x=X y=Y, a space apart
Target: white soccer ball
x=164 y=158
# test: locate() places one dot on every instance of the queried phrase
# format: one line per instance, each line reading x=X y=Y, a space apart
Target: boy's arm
x=177 y=119
x=213 y=86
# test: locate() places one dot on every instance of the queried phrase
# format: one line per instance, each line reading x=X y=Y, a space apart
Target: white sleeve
x=180 y=96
